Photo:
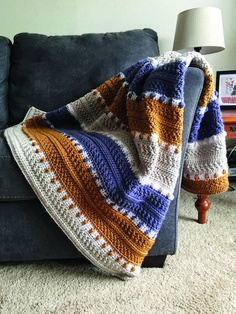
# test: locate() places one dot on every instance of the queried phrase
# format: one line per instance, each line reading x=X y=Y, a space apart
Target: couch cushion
x=48 y=72
x=13 y=185
x=5 y=49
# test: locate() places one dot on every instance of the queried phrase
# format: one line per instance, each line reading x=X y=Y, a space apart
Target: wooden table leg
x=202 y=206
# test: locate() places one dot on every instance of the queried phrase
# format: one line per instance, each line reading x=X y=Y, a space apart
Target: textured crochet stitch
x=105 y=166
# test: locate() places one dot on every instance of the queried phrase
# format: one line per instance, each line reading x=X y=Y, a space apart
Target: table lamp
x=199 y=29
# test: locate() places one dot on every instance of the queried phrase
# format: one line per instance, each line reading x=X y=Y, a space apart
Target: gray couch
x=47 y=73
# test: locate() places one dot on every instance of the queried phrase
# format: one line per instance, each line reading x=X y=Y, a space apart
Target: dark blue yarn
x=211 y=123
x=161 y=99
x=119 y=180
x=61 y=115
x=140 y=78
x=152 y=95
x=167 y=80
x=132 y=71
x=193 y=137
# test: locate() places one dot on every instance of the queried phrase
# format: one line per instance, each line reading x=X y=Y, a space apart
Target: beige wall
x=59 y=17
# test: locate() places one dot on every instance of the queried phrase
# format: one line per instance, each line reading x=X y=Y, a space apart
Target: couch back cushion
x=49 y=72
x=5 y=49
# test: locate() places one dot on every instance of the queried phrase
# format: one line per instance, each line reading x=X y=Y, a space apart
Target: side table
x=229 y=119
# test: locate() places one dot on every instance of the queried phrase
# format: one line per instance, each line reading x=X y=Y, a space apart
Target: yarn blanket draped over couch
x=105 y=166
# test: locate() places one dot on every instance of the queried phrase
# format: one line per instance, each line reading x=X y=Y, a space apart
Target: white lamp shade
x=199 y=27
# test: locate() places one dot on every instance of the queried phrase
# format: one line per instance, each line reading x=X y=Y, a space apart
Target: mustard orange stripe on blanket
x=105 y=166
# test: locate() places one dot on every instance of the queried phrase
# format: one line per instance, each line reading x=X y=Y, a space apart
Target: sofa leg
x=202 y=206
x=154 y=261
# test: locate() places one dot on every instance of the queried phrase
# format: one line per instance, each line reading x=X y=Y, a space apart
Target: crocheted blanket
x=105 y=166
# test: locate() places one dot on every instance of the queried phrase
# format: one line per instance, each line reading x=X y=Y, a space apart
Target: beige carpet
x=200 y=278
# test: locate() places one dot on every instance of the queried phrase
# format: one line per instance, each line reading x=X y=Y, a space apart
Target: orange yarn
x=151 y=116
x=215 y=186
x=207 y=90
x=109 y=90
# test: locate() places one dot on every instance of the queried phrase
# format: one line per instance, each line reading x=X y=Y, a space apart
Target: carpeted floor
x=200 y=278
